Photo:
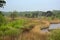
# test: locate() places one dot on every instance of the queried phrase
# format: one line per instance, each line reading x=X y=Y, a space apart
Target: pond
x=54 y=26
x=51 y=27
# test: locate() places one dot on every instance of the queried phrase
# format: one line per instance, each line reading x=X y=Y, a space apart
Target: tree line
x=33 y=14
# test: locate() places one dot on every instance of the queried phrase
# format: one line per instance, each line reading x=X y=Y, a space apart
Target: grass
x=13 y=28
x=55 y=34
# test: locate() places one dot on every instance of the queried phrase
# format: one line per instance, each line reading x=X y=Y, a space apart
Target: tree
x=27 y=15
x=43 y=14
x=1 y=13
x=49 y=13
x=57 y=13
x=35 y=14
x=13 y=15
x=2 y=2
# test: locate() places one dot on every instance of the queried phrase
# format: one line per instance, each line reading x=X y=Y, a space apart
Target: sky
x=31 y=5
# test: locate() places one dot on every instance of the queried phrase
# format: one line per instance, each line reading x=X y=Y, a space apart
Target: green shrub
x=2 y=19
x=12 y=28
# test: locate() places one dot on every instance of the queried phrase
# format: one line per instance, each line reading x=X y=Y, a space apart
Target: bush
x=12 y=27
x=2 y=19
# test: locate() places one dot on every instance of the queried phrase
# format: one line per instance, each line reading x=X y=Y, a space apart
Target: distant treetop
x=2 y=2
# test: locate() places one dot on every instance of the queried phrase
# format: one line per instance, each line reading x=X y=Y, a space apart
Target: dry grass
x=33 y=36
x=55 y=21
x=35 y=33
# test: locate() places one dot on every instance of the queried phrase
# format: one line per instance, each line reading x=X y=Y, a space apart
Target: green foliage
x=1 y=33
x=55 y=35
x=2 y=19
x=17 y=23
x=57 y=13
x=32 y=14
x=13 y=15
x=3 y=28
x=12 y=28
x=12 y=32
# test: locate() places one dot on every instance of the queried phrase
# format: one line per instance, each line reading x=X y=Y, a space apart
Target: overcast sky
x=31 y=5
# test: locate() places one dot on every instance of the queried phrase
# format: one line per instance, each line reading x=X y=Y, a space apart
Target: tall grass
x=55 y=35
x=12 y=29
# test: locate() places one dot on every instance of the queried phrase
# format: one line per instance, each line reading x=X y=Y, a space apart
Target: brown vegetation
x=32 y=30
x=55 y=21
x=35 y=32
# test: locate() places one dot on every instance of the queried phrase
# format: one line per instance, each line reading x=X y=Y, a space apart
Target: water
x=44 y=30
x=54 y=26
